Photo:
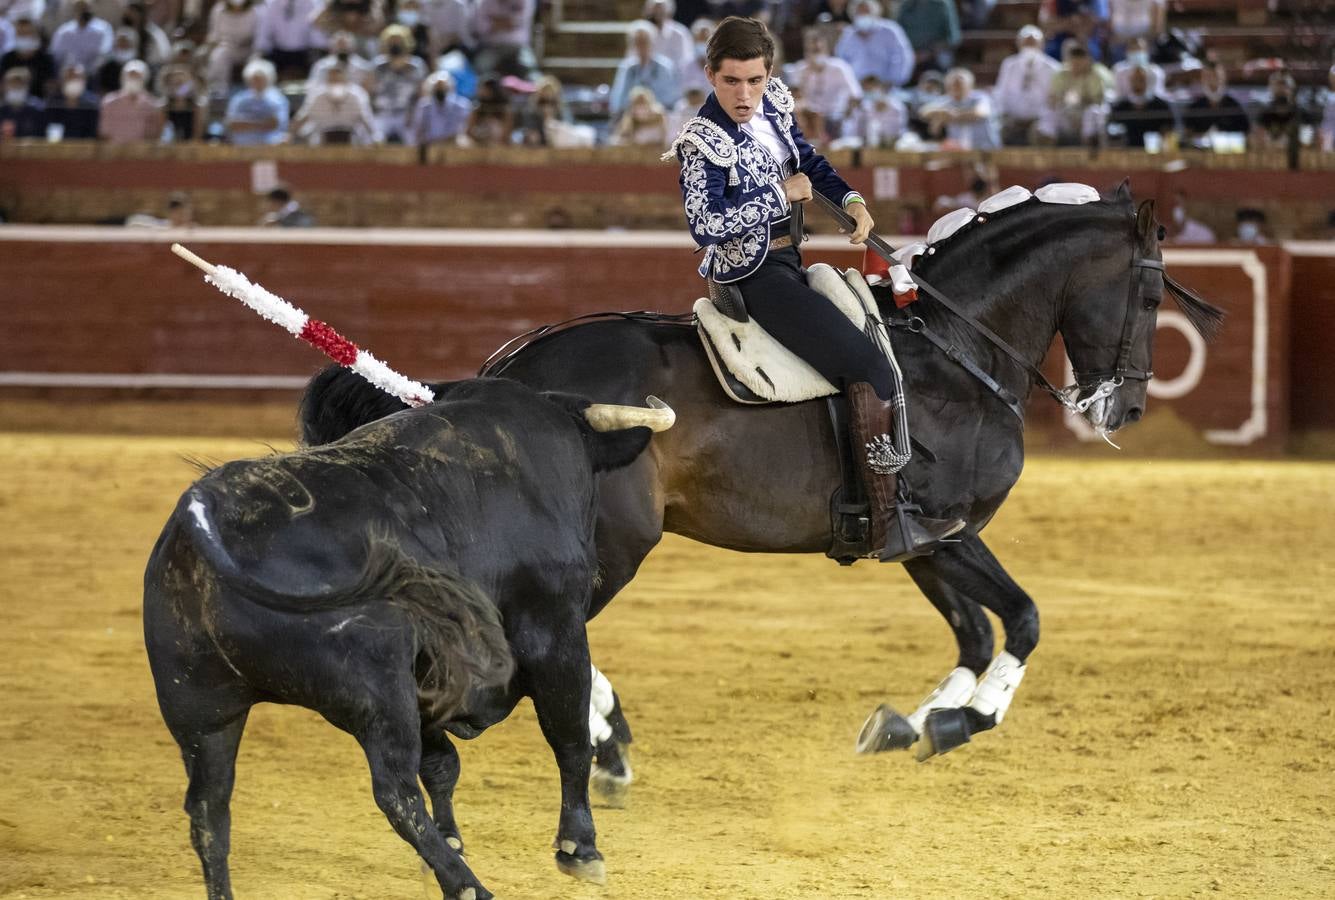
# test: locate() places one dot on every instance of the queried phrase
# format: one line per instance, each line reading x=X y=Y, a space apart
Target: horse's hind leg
x=886 y=729
x=967 y=574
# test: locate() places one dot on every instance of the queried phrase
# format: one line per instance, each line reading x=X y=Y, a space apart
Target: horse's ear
x=1145 y=223
x=1123 y=191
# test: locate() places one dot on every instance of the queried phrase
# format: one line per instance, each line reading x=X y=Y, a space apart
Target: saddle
x=754 y=368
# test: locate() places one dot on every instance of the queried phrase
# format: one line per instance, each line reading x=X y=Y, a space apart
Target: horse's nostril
x=1133 y=414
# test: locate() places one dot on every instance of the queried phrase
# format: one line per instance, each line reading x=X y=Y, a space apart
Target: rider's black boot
x=899 y=529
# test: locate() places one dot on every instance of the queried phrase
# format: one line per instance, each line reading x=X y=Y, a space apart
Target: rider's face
x=739 y=85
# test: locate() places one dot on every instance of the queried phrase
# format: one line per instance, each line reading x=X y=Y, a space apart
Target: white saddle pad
x=768 y=369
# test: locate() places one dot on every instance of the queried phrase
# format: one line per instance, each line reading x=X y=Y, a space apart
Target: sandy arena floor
x=1175 y=735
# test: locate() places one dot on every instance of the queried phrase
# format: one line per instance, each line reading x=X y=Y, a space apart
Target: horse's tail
x=338 y=400
x=457 y=632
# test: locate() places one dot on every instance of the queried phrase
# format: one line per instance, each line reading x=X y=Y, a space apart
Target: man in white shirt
x=286 y=35
x=672 y=39
x=84 y=40
x=342 y=55
x=336 y=112
x=827 y=83
x=1022 y=85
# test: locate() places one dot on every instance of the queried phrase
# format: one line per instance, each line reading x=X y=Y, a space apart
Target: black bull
x=418 y=577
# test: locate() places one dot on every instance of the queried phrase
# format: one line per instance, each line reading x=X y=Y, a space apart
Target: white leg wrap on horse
x=953 y=691
x=997 y=688
x=601 y=703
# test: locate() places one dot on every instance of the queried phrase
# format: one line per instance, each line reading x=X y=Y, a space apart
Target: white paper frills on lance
x=318 y=334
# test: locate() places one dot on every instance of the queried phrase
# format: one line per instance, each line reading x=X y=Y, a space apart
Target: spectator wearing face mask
x=27 y=53
x=124 y=47
x=285 y=35
x=258 y=113
x=230 y=41
x=1140 y=111
x=84 y=40
x=131 y=114
x=342 y=55
x=933 y=28
x=441 y=115
x=1215 y=108
x=73 y=108
x=1137 y=56
x=408 y=13
x=1182 y=229
x=1251 y=227
x=398 y=82
x=337 y=112
x=1022 y=86
x=693 y=76
x=642 y=68
x=963 y=117
x=21 y=115
x=827 y=83
x=876 y=46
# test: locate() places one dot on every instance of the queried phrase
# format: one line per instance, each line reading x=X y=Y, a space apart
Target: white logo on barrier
x=1173 y=388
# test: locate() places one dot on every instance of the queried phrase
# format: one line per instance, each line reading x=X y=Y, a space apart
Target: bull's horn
x=608 y=417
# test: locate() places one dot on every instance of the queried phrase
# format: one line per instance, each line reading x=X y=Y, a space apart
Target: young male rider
x=744 y=163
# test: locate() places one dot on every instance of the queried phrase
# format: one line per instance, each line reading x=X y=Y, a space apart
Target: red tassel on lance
x=323 y=337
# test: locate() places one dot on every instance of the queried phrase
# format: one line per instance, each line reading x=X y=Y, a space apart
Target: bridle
x=1105 y=381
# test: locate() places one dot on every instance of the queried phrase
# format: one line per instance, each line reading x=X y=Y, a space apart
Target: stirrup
x=910 y=534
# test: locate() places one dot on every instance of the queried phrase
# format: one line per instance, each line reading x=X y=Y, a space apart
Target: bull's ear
x=1123 y=191
x=615 y=449
x=571 y=403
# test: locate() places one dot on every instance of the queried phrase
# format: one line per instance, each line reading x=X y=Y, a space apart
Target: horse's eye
x=1163 y=232
x=1153 y=302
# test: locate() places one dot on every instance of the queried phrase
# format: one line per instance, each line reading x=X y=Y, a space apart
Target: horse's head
x=1109 y=316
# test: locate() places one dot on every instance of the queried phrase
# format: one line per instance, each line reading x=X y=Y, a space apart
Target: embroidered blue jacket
x=733 y=187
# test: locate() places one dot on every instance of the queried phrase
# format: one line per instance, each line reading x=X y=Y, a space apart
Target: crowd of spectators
x=250 y=72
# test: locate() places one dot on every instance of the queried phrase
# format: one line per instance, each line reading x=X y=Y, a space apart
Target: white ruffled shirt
x=762 y=129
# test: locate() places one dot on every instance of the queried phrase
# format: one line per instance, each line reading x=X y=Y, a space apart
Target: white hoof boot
x=997 y=687
x=953 y=691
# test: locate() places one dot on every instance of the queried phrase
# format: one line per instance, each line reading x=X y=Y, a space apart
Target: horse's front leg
x=959 y=580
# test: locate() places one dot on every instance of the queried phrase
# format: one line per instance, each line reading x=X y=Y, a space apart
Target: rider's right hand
x=797 y=188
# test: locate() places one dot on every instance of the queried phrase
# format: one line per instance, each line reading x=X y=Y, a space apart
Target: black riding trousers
x=777 y=296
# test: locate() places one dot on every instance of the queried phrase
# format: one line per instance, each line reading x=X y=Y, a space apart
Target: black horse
x=759 y=478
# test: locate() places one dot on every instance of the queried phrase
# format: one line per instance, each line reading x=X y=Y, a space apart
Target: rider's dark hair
x=741 y=39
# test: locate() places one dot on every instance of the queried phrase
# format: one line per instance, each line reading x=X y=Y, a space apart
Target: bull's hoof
x=592 y=870
x=944 y=730
x=884 y=730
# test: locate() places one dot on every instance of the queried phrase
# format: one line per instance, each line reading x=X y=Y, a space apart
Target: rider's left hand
x=864 y=222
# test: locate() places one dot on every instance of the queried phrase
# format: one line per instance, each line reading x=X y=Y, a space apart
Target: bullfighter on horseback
x=745 y=170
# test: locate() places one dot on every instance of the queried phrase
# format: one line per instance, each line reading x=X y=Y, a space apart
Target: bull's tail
x=456 y=628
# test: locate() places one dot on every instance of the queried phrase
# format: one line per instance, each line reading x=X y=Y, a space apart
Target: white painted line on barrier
x=156 y=380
